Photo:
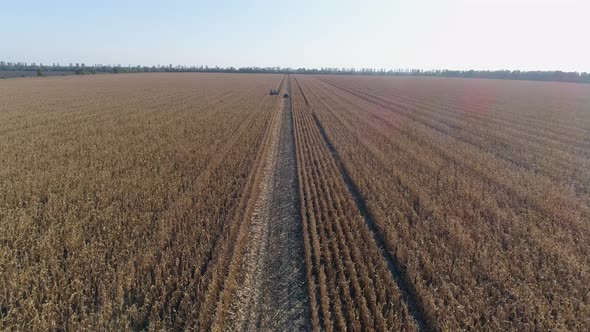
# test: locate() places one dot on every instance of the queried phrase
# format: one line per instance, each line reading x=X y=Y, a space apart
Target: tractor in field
x=286 y=95
x=274 y=92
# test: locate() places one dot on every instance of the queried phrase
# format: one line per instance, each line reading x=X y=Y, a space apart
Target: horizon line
x=278 y=68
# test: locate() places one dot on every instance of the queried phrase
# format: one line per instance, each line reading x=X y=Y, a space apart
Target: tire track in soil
x=273 y=296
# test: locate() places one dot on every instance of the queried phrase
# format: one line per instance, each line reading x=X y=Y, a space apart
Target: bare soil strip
x=273 y=296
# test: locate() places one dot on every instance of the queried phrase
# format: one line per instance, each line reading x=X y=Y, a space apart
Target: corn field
x=197 y=201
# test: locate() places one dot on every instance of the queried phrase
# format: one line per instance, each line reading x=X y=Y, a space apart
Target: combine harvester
x=275 y=92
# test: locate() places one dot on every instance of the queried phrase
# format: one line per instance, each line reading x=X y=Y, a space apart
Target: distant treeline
x=82 y=69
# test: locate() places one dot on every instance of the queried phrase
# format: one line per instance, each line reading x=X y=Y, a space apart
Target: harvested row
x=229 y=252
x=237 y=240
x=486 y=245
x=266 y=288
x=119 y=199
x=350 y=284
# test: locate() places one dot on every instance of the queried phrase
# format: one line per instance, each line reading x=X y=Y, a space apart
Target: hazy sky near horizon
x=426 y=34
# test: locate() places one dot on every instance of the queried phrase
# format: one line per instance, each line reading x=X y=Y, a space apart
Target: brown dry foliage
x=124 y=200
x=480 y=187
x=120 y=196
x=350 y=284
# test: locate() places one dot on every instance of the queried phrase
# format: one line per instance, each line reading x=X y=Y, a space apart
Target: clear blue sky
x=427 y=34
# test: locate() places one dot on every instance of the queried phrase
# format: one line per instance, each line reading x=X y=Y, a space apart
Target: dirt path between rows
x=274 y=294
